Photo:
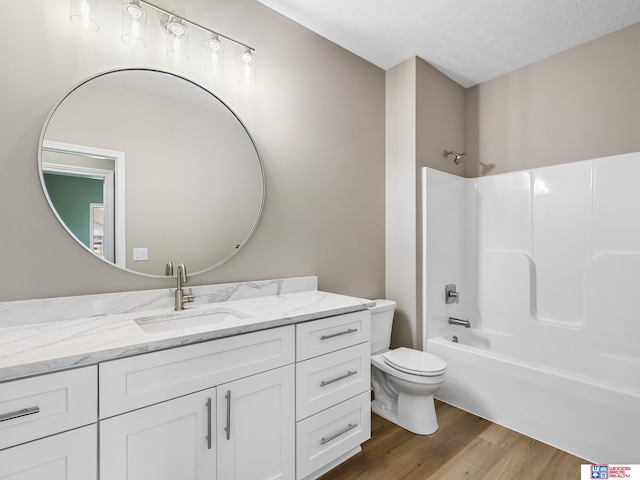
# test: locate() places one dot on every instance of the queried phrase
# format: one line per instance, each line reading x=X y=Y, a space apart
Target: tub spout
x=459 y=321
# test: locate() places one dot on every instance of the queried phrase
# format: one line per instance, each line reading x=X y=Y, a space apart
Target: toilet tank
x=381 y=323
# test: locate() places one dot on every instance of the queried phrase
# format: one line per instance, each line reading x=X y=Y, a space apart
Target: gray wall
x=401 y=205
x=316 y=113
x=425 y=115
x=440 y=125
x=576 y=105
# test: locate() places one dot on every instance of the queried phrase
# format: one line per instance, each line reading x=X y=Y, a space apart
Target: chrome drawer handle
x=326 y=337
x=228 y=427
x=19 y=413
x=209 y=438
x=336 y=435
x=324 y=383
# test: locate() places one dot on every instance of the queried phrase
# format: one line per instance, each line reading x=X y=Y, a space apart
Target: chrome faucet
x=181 y=296
x=459 y=321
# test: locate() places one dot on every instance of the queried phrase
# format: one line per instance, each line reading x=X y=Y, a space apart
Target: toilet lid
x=415 y=362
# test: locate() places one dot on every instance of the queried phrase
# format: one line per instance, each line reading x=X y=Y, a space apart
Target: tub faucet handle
x=450 y=294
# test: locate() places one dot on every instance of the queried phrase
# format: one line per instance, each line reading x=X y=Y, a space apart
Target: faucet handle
x=188 y=296
x=168 y=269
x=450 y=294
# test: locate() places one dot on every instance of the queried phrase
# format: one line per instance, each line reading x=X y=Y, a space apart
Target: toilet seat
x=415 y=362
x=378 y=362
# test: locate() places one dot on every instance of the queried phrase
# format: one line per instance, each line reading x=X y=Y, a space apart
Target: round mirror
x=147 y=169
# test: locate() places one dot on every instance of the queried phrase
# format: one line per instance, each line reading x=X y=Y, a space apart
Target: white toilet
x=403 y=380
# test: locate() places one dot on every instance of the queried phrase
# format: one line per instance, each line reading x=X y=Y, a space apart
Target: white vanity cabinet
x=220 y=409
x=47 y=426
x=333 y=399
x=166 y=441
x=283 y=402
x=256 y=427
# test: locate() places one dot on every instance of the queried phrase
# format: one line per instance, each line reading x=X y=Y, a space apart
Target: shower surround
x=547 y=263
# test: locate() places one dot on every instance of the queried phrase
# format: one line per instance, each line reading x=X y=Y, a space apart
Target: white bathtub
x=583 y=402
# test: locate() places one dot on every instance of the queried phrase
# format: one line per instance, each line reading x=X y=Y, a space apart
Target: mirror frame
x=179 y=77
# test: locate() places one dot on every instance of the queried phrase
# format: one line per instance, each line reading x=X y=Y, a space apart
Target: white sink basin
x=188 y=318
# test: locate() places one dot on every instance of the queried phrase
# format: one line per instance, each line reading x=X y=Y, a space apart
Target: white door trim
x=114 y=193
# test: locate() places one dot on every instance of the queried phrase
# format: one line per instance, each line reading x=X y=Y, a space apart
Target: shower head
x=458 y=156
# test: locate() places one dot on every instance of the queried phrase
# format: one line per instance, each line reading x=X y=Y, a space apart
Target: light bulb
x=214 y=62
x=177 y=40
x=248 y=66
x=134 y=10
x=176 y=29
x=134 y=25
x=246 y=56
x=214 y=43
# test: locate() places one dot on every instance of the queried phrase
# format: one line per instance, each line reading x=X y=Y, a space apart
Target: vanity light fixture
x=134 y=24
x=248 y=62
x=177 y=31
x=177 y=39
x=84 y=13
x=214 y=63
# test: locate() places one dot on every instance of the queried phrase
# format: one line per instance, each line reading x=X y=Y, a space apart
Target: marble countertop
x=32 y=349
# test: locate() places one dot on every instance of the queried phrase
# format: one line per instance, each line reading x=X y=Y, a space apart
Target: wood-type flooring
x=464 y=447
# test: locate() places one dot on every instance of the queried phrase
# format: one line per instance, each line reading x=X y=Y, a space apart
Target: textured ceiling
x=471 y=41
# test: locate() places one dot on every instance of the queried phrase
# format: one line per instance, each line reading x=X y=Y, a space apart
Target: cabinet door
x=256 y=427
x=168 y=441
x=66 y=456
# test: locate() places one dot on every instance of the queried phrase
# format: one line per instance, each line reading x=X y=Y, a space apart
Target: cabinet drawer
x=71 y=456
x=325 y=437
x=333 y=333
x=332 y=378
x=135 y=382
x=41 y=406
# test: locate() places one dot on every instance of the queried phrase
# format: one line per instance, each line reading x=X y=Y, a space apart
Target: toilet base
x=417 y=413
